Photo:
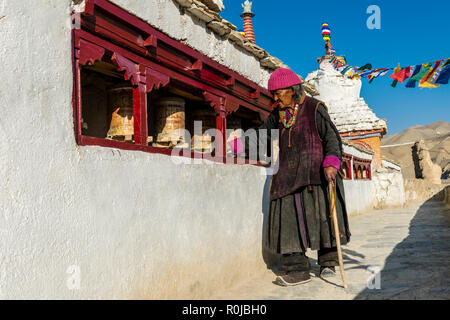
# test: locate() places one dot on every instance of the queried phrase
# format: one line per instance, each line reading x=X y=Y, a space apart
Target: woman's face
x=284 y=98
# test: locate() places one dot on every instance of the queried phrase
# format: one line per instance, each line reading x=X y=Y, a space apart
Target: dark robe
x=301 y=220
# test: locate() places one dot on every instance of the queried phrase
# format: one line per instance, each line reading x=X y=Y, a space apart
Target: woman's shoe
x=327 y=272
x=293 y=278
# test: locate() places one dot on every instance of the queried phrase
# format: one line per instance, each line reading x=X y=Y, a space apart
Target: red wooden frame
x=347 y=159
x=149 y=65
x=361 y=166
x=109 y=21
x=352 y=170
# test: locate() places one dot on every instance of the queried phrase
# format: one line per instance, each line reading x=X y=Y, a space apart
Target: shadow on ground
x=419 y=266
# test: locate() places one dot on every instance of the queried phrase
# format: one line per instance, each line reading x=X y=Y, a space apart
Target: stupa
x=350 y=113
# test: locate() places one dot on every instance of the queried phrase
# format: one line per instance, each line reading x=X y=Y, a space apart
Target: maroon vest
x=301 y=163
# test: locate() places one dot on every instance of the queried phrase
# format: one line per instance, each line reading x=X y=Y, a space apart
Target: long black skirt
x=302 y=220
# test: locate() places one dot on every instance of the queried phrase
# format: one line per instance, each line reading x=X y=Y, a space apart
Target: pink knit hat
x=283 y=78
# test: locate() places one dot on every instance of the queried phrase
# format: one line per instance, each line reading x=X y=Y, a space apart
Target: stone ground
x=410 y=247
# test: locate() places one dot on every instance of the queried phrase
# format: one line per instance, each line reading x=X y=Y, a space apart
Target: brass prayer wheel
x=203 y=143
x=122 y=120
x=170 y=122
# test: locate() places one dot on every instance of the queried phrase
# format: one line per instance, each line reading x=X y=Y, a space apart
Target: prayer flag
x=397 y=69
x=365 y=67
x=429 y=74
x=353 y=72
x=425 y=69
x=378 y=73
x=442 y=76
x=412 y=83
x=345 y=69
x=401 y=75
x=426 y=84
x=365 y=74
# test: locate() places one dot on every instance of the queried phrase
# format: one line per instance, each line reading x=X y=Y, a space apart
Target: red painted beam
x=146 y=28
x=170 y=57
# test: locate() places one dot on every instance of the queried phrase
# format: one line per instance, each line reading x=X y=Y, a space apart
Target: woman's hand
x=330 y=173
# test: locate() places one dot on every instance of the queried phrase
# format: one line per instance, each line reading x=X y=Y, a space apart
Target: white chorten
x=347 y=109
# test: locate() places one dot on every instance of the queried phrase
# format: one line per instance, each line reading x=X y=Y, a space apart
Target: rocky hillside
x=437 y=138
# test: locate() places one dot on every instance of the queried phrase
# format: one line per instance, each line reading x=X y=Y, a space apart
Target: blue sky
x=412 y=32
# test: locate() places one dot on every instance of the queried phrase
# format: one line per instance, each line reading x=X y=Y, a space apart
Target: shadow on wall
x=418 y=267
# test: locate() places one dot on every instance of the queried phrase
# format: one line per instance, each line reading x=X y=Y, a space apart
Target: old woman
x=310 y=156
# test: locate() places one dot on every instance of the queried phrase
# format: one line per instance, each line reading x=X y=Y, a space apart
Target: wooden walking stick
x=332 y=191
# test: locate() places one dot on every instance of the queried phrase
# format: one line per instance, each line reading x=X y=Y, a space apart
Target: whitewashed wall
x=136 y=225
x=390 y=190
x=359 y=196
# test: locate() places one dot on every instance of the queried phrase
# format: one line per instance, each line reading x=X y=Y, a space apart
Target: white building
x=87 y=216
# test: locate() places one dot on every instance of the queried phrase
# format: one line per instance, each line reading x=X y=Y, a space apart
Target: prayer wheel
x=203 y=143
x=170 y=122
x=122 y=120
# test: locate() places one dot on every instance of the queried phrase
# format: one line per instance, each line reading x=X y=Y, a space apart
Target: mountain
x=437 y=138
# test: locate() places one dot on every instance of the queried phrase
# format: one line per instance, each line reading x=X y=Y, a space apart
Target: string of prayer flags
x=358 y=71
x=428 y=75
x=380 y=72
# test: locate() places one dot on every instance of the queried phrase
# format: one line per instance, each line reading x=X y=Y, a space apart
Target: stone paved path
x=410 y=246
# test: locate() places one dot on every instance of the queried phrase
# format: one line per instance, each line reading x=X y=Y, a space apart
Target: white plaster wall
x=390 y=165
x=136 y=224
x=359 y=196
x=356 y=153
x=389 y=188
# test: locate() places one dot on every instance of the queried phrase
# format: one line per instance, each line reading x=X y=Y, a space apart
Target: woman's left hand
x=330 y=173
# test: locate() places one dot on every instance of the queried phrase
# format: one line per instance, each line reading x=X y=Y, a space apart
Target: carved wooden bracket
x=255 y=94
x=89 y=52
x=155 y=79
x=151 y=42
x=231 y=106
x=216 y=102
x=230 y=82
x=131 y=69
x=197 y=66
